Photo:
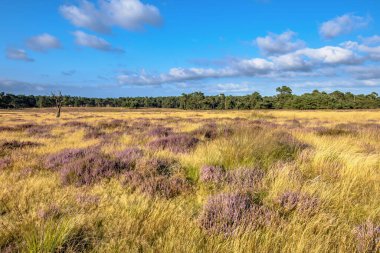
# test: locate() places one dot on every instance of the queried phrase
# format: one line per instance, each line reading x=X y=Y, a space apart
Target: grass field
x=117 y=180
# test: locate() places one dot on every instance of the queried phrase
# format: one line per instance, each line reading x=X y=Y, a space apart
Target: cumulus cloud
x=127 y=14
x=88 y=40
x=371 y=53
x=371 y=40
x=342 y=25
x=277 y=44
x=306 y=61
x=43 y=42
x=330 y=55
x=175 y=75
x=18 y=54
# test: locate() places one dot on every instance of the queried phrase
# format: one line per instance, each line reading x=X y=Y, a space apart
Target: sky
x=119 y=48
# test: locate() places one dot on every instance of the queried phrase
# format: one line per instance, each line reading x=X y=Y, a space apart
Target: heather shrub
x=115 y=123
x=56 y=161
x=245 y=178
x=93 y=133
x=40 y=131
x=207 y=131
x=8 y=146
x=295 y=201
x=130 y=156
x=223 y=213
x=323 y=131
x=6 y=128
x=211 y=131
x=160 y=132
x=141 y=124
x=157 y=177
x=178 y=143
x=226 y=212
x=284 y=147
x=87 y=199
x=367 y=237
x=18 y=144
x=85 y=166
x=75 y=124
x=212 y=174
x=5 y=162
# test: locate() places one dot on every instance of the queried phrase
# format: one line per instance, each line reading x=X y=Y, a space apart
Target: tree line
x=284 y=99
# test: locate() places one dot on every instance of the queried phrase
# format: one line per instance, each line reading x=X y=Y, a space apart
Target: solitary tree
x=58 y=99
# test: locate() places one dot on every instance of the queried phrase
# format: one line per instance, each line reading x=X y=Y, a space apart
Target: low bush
x=157 y=177
x=226 y=212
x=85 y=166
x=178 y=143
x=367 y=237
x=295 y=201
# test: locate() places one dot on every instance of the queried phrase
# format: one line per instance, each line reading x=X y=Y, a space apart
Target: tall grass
x=284 y=181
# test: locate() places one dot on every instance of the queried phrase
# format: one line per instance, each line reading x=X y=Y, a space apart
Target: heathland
x=161 y=180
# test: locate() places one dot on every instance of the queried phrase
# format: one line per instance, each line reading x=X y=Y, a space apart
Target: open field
x=117 y=180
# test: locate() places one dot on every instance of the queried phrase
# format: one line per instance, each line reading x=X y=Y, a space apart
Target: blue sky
x=112 y=48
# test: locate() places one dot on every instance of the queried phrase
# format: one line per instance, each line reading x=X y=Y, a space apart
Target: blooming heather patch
x=157 y=177
x=93 y=133
x=7 y=146
x=115 y=123
x=6 y=128
x=75 y=124
x=56 y=161
x=5 y=162
x=178 y=143
x=225 y=212
x=212 y=174
x=141 y=124
x=323 y=131
x=211 y=131
x=18 y=144
x=40 y=131
x=86 y=199
x=244 y=178
x=207 y=131
x=130 y=156
x=302 y=203
x=367 y=237
x=85 y=166
x=160 y=131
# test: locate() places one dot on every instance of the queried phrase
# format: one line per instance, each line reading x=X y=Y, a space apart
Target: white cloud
x=277 y=44
x=370 y=40
x=330 y=55
x=18 y=54
x=127 y=14
x=88 y=40
x=255 y=66
x=372 y=53
x=231 y=87
x=303 y=62
x=175 y=75
x=291 y=62
x=43 y=42
x=365 y=72
x=342 y=25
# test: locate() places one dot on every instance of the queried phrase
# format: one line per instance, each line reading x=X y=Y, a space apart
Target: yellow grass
x=342 y=171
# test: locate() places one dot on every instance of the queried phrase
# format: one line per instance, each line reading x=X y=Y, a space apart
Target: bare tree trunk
x=58 y=103
x=58 y=112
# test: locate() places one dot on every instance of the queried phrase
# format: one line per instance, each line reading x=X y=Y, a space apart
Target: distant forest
x=284 y=99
